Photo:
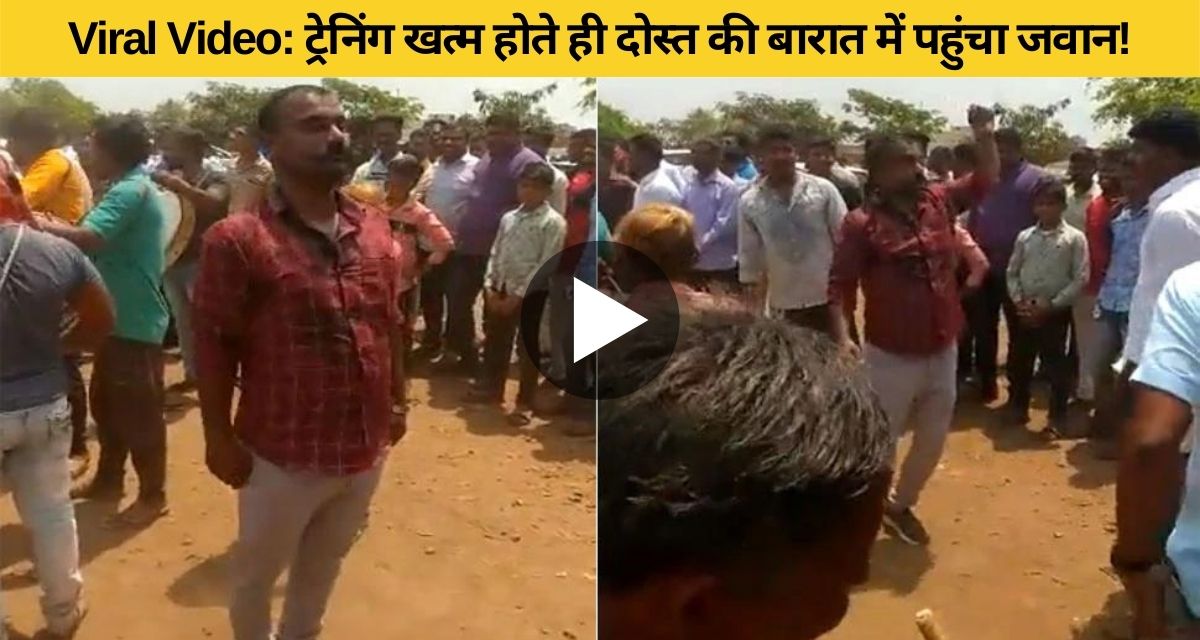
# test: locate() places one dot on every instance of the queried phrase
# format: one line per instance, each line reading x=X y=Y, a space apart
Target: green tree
x=363 y=102
x=698 y=123
x=748 y=112
x=881 y=114
x=1044 y=137
x=526 y=105
x=168 y=115
x=615 y=123
x=73 y=114
x=1124 y=100
x=588 y=101
x=221 y=106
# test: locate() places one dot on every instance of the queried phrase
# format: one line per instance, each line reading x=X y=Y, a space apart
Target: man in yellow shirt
x=54 y=183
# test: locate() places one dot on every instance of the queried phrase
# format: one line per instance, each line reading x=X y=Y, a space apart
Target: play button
x=591 y=314
x=598 y=320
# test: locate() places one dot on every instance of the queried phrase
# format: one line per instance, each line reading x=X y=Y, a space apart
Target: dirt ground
x=479 y=530
x=1021 y=531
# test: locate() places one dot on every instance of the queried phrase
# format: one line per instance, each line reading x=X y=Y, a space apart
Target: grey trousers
x=921 y=391
x=303 y=522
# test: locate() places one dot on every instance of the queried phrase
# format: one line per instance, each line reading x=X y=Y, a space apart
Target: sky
x=654 y=98
x=440 y=95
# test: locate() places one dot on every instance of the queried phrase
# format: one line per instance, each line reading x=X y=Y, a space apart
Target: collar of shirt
x=348 y=211
x=650 y=177
x=459 y=161
x=1053 y=231
x=1172 y=187
x=536 y=211
x=1132 y=210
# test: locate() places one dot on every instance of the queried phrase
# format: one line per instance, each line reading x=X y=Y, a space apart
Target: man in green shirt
x=123 y=235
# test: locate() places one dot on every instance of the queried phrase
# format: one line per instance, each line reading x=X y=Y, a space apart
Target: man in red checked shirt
x=905 y=247
x=301 y=297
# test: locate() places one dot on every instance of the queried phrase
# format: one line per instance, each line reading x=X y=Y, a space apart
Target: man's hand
x=981 y=119
x=399 y=423
x=1147 y=597
x=170 y=181
x=501 y=303
x=228 y=460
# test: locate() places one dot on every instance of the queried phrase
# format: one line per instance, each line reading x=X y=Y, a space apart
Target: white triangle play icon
x=599 y=320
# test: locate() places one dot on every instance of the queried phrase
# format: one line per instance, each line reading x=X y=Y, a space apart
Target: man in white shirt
x=655 y=185
x=540 y=140
x=1166 y=153
x=449 y=181
x=787 y=224
x=385 y=131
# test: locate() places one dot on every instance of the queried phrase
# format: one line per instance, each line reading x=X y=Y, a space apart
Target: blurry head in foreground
x=740 y=489
x=661 y=232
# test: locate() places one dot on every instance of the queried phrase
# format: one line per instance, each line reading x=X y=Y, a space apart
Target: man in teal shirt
x=123 y=234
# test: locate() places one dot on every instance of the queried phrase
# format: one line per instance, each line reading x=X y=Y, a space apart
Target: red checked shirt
x=307 y=320
x=908 y=267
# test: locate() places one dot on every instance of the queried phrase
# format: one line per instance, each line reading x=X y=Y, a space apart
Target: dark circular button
x=620 y=272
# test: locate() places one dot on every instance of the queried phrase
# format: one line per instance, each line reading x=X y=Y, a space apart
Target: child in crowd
x=529 y=236
x=1047 y=272
x=422 y=238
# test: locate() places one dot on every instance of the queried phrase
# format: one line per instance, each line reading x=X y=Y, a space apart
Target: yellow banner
x=692 y=38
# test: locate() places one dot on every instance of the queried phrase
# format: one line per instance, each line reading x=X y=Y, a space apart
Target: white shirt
x=558 y=192
x=656 y=187
x=450 y=189
x=1077 y=204
x=1171 y=241
x=790 y=240
x=374 y=171
x=680 y=175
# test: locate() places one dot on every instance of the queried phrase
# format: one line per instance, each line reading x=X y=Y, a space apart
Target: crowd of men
x=783 y=484
x=298 y=292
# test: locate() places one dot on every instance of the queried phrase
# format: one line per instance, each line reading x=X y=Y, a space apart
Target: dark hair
x=776 y=133
x=945 y=152
x=33 y=124
x=192 y=139
x=966 y=152
x=606 y=147
x=389 y=118
x=544 y=135
x=507 y=120
x=1009 y=136
x=538 y=172
x=1049 y=187
x=822 y=142
x=1083 y=154
x=752 y=424
x=124 y=137
x=454 y=127
x=740 y=137
x=733 y=154
x=1174 y=128
x=707 y=142
x=879 y=148
x=647 y=144
x=584 y=134
x=918 y=138
x=1114 y=153
x=268 y=114
x=405 y=164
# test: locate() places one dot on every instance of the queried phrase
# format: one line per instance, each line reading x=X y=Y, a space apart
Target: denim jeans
x=177 y=285
x=34 y=446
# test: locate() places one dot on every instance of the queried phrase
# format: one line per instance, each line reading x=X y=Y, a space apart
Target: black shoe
x=906 y=526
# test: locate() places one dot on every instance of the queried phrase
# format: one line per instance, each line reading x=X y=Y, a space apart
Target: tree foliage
x=749 y=112
x=588 y=101
x=74 y=114
x=881 y=114
x=1124 y=100
x=1045 y=139
x=612 y=122
x=527 y=105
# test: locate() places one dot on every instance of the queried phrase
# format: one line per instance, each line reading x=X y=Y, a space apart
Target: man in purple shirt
x=711 y=197
x=995 y=224
x=493 y=193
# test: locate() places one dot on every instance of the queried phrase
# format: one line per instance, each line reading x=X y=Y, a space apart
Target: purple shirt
x=493 y=193
x=1005 y=213
x=712 y=201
